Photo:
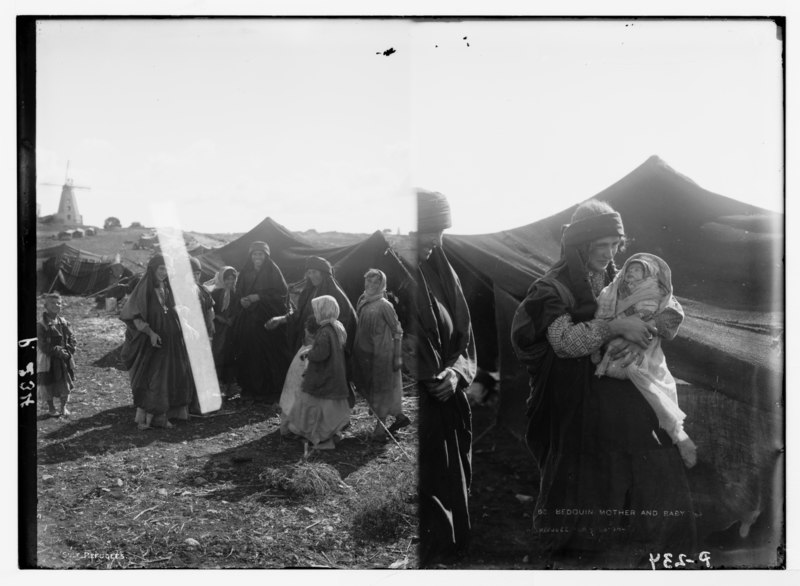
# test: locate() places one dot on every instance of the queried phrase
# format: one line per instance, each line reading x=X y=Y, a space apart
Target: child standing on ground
x=55 y=367
x=321 y=410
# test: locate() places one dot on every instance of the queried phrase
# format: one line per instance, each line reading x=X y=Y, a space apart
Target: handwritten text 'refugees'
x=612 y=513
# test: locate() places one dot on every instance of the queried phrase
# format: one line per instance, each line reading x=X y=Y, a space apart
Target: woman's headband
x=592 y=228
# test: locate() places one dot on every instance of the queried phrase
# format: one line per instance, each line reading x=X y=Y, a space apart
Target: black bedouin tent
x=290 y=251
x=73 y=271
x=727 y=268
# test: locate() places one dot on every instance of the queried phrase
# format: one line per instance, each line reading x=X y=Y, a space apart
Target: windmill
x=68 y=206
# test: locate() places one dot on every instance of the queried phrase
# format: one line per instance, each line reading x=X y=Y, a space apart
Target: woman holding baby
x=609 y=470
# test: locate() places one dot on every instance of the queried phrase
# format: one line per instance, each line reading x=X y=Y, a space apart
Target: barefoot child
x=54 y=351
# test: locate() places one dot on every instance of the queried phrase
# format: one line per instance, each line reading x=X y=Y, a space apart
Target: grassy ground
x=220 y=491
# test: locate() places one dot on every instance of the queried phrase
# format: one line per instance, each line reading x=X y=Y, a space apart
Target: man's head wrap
x=433 y=211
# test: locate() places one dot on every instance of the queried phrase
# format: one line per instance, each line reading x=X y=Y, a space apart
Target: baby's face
x=634 y=273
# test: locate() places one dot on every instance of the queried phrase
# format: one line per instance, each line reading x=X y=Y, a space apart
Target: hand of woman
x=155 y=340
x=245 y=302
x=688 y=452
x=633 y=329
x=444 y=385
x=620 y=348
x=274 y=322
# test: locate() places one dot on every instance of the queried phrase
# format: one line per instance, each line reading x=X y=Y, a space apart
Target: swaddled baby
x=644 y=288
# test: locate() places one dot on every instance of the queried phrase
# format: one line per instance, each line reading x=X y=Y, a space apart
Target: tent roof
x=289 y=251
x=721 y=251
x=69 y=250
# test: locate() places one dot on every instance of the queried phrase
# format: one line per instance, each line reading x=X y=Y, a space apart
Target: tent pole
x=53 y=284
x=384 y=426
x=483 y=433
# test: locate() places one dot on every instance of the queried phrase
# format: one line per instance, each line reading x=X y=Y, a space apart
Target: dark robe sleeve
x=458 y=352
x=544 y=303
x=321 y=349
x=541 y=306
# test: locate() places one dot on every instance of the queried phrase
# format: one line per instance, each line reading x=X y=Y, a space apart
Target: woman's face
x=258 y=257
x=229 y=281
x=372 y=285
x=161 y=273
x=426 y=242
x=314 y=276
x=602 y=252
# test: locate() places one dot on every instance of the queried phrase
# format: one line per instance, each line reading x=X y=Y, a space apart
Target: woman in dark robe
x=444 y=365
x=154 y=352
x=613 y=486
x=262 y=357
x=319 y=281
x=226 y=305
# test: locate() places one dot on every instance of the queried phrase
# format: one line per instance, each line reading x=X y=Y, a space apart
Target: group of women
x=254 y=331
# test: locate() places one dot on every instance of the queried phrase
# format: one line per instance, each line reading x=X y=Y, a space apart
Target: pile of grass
x=305 y=479
x=388 y=514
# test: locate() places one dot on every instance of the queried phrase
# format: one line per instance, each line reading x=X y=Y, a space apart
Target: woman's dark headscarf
x=268 y=281
x=143 y=294
x=576 y=238
x=319 y=264
x=328 y=286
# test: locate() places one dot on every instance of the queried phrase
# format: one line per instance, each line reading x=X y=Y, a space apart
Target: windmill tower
x=68 y=213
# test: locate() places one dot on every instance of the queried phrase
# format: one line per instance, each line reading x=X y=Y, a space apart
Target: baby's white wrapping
x=651 y=377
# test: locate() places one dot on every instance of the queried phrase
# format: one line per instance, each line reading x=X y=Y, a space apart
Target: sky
x=308 y=122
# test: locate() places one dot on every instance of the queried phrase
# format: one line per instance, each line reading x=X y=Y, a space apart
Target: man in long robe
x=444 y=364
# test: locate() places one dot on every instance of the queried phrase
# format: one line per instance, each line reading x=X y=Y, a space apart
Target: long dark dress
x=440 y=331
x=262 y=357
x=613 y=486
x=222 y=343
x=161 y=379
